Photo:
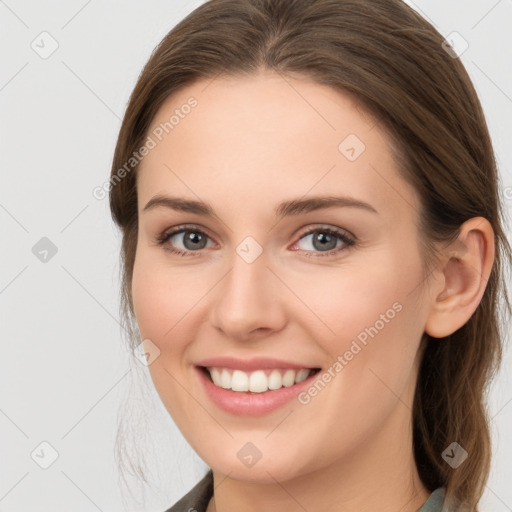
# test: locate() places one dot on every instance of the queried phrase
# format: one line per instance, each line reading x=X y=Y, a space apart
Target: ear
x=462 y=278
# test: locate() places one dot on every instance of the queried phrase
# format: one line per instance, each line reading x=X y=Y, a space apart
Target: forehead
x=238 y=110
x=269 y=134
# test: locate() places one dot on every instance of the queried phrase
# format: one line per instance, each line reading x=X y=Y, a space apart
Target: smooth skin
x=250 y=144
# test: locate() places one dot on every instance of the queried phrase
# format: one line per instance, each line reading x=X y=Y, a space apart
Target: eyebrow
x=286 y=208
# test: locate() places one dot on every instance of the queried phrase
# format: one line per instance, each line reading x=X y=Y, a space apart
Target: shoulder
x=434 y=502
x=196 y=500
x=438 y=502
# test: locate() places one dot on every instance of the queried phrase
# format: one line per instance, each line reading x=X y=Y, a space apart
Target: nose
x=248 y=302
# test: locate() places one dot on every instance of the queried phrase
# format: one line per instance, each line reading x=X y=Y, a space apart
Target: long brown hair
x=393 y=62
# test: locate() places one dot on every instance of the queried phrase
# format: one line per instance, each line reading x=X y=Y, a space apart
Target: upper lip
x=257 y=363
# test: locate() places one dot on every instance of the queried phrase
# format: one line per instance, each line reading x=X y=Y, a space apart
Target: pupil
x=326 y=241
x=193 y=239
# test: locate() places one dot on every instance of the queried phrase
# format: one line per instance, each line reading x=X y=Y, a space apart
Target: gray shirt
x=197 y=499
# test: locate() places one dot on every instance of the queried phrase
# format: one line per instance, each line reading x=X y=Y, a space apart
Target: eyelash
x=348 y=240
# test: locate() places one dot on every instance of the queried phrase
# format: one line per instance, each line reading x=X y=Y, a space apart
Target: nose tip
x=247 y=301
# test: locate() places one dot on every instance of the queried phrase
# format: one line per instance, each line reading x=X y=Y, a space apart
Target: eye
x=325 y=240
x=322 y=241
x=184 y=241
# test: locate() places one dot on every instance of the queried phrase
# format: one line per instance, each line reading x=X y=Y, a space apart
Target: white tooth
x=239 y=381
x=225 y=379
x=289 y=378
x=301 y=376
x=274 y=380
x=258 y=382
x=215 y=375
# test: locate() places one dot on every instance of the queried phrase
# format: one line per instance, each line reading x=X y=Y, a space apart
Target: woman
x=312 y=255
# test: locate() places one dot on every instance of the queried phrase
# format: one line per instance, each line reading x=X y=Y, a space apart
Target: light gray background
x=64 y=370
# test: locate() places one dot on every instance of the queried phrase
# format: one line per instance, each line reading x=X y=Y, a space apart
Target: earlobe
x=466 y=266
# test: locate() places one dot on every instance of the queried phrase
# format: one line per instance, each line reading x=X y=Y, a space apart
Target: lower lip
x=251 y=404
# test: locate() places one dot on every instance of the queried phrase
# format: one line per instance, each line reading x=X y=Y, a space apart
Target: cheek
x=153 y=307
x=162 y=297
x=374 y=328
x=163 y=304
x=349 y=299
x=369 y=314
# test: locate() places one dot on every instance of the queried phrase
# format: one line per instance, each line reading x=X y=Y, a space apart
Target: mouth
x=256 y=381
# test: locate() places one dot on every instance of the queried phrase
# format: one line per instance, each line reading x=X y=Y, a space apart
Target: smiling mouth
x=258 y=381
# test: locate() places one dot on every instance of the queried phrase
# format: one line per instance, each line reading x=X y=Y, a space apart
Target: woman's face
x=297 y=248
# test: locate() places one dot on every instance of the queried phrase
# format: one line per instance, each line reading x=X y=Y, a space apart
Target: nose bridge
x=247 y=299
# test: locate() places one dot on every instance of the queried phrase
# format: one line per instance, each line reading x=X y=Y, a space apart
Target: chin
x=264 y=471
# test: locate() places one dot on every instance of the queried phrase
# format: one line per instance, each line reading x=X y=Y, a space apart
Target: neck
x=329 y=491
x=379 y=474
